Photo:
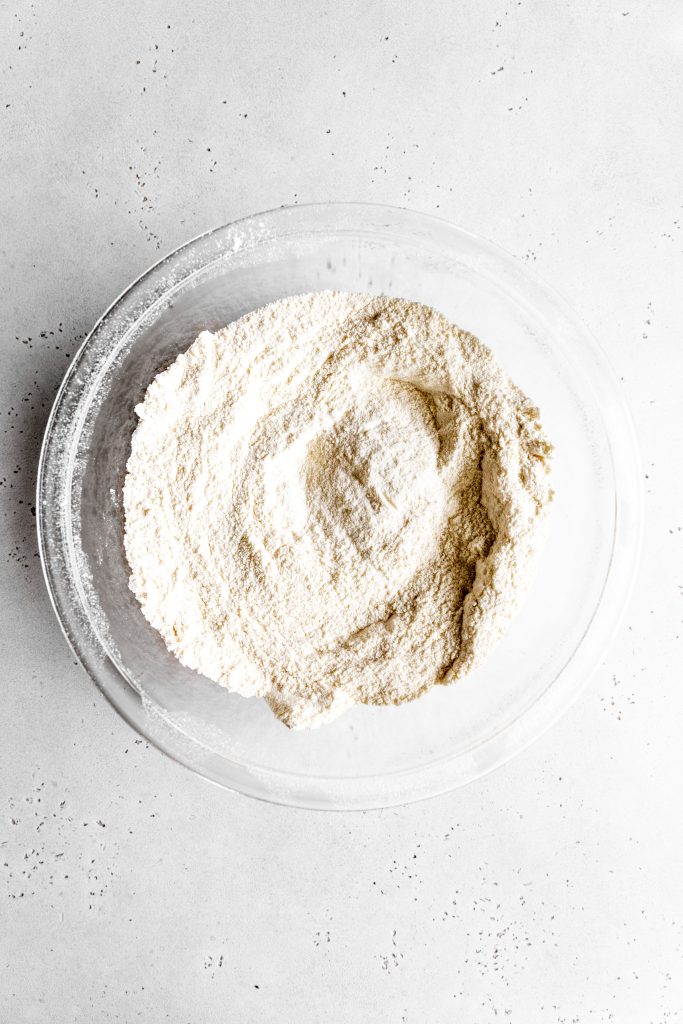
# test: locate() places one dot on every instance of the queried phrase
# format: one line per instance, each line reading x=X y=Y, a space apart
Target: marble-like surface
x=547 y=892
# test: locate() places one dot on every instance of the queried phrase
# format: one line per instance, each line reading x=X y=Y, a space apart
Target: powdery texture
x=334 y=500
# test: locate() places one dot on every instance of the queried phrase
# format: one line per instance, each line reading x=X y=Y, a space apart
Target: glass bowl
x=370 y=757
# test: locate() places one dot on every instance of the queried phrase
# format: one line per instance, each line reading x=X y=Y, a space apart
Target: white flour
x=334 y=500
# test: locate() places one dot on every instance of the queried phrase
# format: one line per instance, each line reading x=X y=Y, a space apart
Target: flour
x=334 y=500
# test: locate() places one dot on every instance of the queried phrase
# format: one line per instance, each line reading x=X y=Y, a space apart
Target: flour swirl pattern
x=335 y=500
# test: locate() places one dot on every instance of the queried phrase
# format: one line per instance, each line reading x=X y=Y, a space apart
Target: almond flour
x=334 y=500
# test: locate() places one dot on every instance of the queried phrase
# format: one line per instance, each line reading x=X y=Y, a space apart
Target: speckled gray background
x=547 y=892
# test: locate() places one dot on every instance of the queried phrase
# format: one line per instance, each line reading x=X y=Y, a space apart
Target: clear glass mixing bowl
x=369 y=757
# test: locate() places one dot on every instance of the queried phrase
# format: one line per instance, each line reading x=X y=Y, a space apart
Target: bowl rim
x=335 y=793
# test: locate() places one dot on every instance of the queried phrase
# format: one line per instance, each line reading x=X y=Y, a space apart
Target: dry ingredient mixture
x=334 y=500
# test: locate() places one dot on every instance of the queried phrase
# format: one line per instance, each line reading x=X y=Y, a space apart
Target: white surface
x=548 y=891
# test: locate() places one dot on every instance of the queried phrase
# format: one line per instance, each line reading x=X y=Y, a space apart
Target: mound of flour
x=334 y=500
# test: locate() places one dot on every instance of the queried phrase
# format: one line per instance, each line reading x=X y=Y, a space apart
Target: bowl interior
x=368 y=756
